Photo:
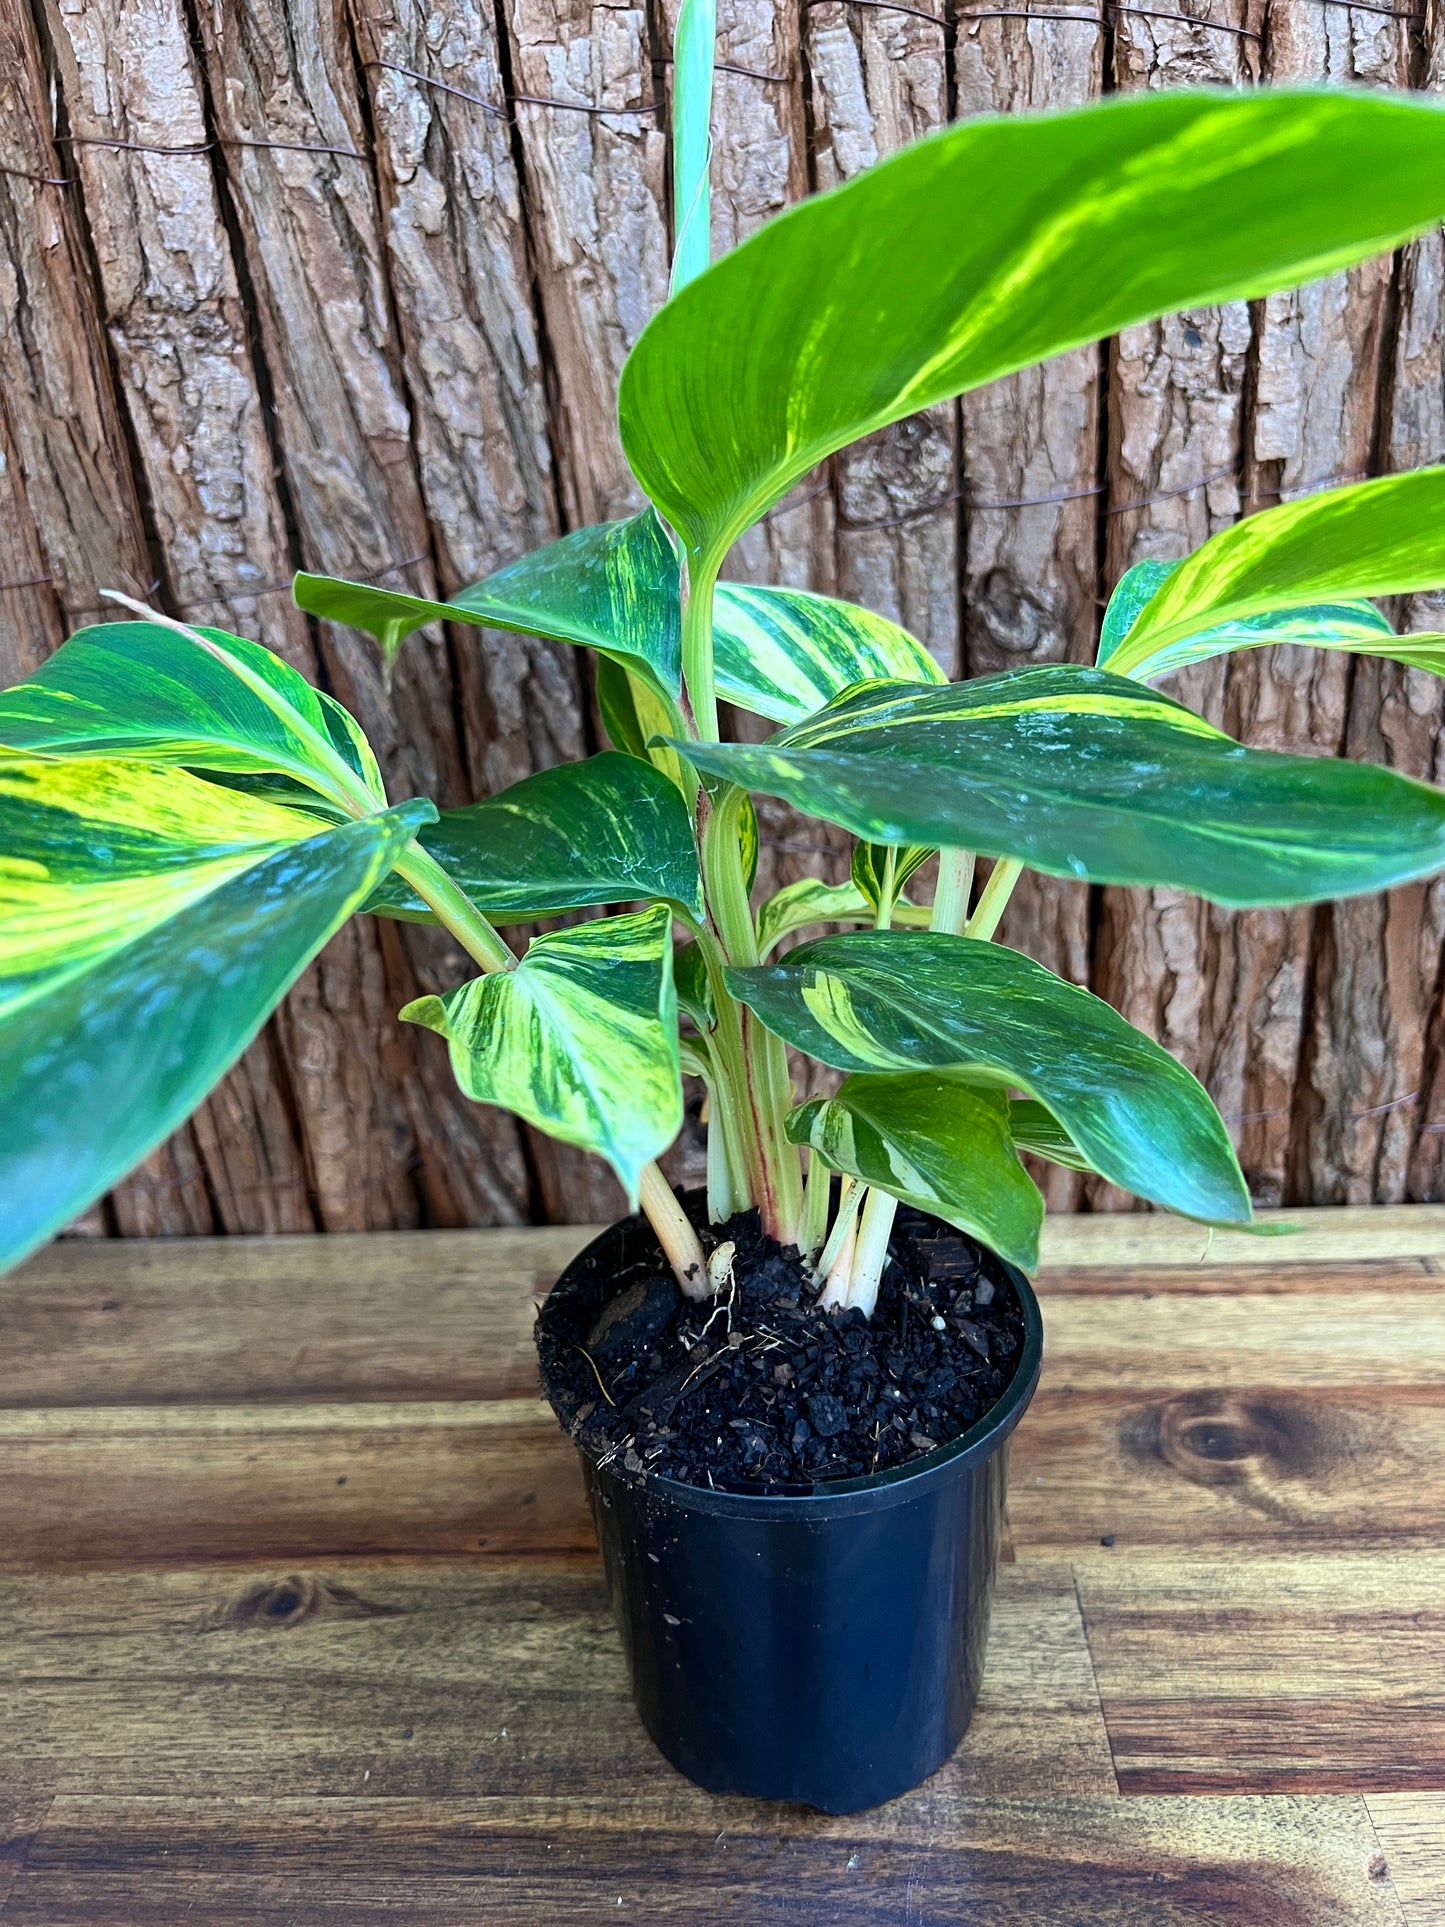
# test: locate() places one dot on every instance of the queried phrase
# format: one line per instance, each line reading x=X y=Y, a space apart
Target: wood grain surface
x=301 y=1619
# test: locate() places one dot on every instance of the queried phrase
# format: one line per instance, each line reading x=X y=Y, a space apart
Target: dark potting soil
x=759 y=1390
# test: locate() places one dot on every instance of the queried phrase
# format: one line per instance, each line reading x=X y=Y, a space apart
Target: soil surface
x=758 y=1389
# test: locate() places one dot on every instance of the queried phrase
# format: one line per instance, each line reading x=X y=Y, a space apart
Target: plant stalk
x=698 y=582
x=817 y=1193
x=837 y=1252
x=994 y=901
x=950 y=899
x=871 y=1253
x=674 y=1232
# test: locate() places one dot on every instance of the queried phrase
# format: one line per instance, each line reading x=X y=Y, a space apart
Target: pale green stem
x=454 y=909
x=816 y=1193
x=835 y=1283
x=837 y=1250
x=721 y=1200
x=994 y=901
x=754 y=1060
x=871 y=1253
x=698 y=580
x=950 y=899
x=674 y=1231
x=887 y=890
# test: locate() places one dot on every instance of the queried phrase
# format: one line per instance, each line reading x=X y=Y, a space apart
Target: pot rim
x=873 y=1489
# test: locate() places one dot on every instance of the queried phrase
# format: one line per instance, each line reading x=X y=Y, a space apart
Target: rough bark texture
x=367 y=315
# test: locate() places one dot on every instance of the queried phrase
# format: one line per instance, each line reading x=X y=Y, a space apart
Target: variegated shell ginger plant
x=184 y=822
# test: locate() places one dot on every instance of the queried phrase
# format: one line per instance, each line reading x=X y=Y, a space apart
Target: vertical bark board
x=1029 y=574
x=879 y=80
x=599 y=228
x=65 y=436
x=1315 y=423
x=1373 y=1064
x=179 y=333
x=310 y=226
x=1221 y=992
x=464 y=293
x=30 y=626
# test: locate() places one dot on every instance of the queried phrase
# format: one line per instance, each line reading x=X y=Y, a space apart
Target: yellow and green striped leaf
x=781 y=653
x=607 y=830
x=143 y=943
x=870 y=869
x=1034 y=1128
x=580 y=1039
x=1296 y=573
x=144 y=692
x=1082 y=773
x=992 y=245
x=935 y=1142
x=888 y=1000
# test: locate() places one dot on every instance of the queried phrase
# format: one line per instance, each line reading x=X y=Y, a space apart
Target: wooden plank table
x=301 y=1620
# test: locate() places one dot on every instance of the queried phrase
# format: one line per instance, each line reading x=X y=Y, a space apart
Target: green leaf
x=781 y=653
x=992 y=245
x=580 y=1039
x=937 y=1143
x=1033 y=1127
x=1385 y=537
x=613 y=588
x=692 y=63
x=634 y=715
x=1136 y=587
x=1078 y=772
x=809 y=900
x=870 y=868
x=143 y=691
x=94 y=854
x=887 y=1000
x=607 y=830
x=104 y=1061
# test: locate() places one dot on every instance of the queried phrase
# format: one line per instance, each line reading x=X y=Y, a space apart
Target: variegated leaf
x=1313 y=558
x=994 y=244
x=888 y=1000
x=781 y=653
x=147 y=693
x=1082 y=773
x=607 y=830
x=1034 y=1128
x=935 y=1142
x=870 y=869
x=106 y=1049
x=580 y=1039
x=95 y=854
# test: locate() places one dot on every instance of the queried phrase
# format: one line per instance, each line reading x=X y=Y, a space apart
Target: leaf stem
x=994 y=901
x=817 y=1194
x=698 y=581
x=950 y=899
x=674 y=1231
x=454 y=909
x=871 y=1253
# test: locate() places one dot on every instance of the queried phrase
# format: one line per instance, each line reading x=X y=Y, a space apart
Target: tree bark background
x=347 y=285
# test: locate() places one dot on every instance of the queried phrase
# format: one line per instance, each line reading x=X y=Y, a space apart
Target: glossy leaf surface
x=94 y=854
x=870 y=868
x=692 y=71
x=887 y=1000
x=580 y=1039
x=145 y=692
x=101 y=1065
x=781 y=653
x=607 y=830
x=1033 y=1127
x=1384 y=537
x=612 y=587
x=1078 y=772
x=988 y=247
x=937 y=1143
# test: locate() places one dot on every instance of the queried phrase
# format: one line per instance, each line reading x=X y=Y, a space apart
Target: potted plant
x=792 y=1395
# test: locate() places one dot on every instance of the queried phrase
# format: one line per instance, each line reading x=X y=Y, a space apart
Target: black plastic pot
x=825 y=1646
